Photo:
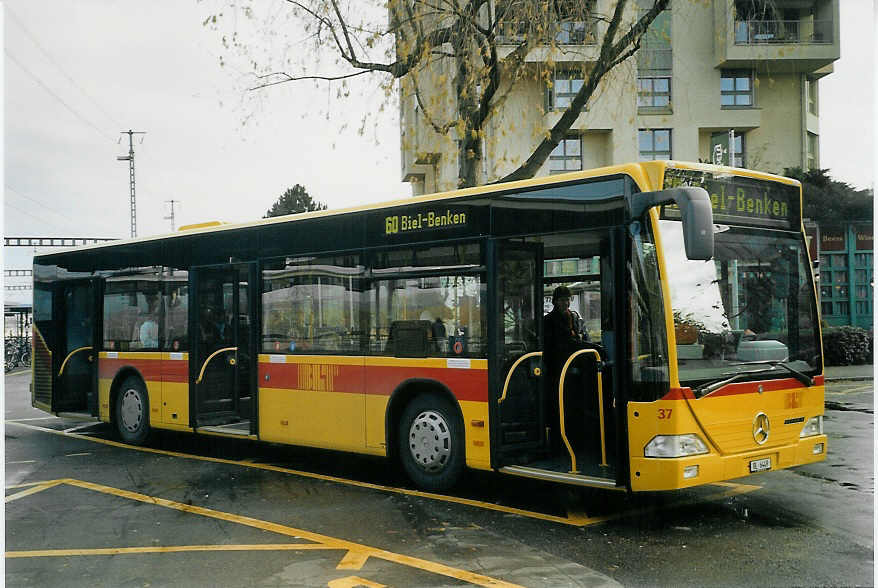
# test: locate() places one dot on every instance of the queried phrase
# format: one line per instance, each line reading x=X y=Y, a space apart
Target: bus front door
x=554 y=399
x=221 y=398
x=77 y=311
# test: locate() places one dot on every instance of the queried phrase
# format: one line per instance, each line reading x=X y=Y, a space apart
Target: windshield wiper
x=770 y=364
x=708 y=388
x=804 y=378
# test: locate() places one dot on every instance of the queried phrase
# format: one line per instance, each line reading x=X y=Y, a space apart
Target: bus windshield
x=745 y=311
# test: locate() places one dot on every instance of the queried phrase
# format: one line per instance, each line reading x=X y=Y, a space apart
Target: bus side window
x=176 y=300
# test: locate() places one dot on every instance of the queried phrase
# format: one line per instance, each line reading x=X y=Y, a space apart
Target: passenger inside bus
x=562 y=337
x=148 y=332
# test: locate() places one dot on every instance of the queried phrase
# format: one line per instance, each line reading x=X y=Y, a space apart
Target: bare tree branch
x=288 y=78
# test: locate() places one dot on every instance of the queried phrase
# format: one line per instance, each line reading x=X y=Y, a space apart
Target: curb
x=849 y=379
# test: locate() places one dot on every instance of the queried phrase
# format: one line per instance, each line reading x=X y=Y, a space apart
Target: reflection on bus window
x=176 y=304
x=312 y=305
x=752 y=302
x=650 y=379
x=438 y=316
x=133 y=315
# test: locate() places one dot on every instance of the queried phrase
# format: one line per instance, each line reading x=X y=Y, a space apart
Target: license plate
x=760 y=465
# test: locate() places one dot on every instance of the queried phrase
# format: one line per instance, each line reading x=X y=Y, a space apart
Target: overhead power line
x=35 y=201
x=51 y=60
x=54 y=95
x=33 y=216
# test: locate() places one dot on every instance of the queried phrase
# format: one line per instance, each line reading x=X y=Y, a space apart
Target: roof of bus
x=649 y=170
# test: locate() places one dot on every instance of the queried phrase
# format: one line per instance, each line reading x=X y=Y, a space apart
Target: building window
x=654 y=92
x=565 y=86
x=719 y=144
x=811 y=86
x=567 y=156
x=736 y=88
x=826 y=308
x=813 y=151
x=654 y=144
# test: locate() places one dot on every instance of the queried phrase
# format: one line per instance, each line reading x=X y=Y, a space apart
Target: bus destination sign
x=740 y=200
x=751 y=201
x=423 y=221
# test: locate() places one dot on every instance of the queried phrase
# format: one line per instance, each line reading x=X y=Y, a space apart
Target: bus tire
x=431 y=446
x=132 y=411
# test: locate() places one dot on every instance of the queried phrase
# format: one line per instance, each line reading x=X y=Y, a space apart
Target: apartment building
x=729 y=81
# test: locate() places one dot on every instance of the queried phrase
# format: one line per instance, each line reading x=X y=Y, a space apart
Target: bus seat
x=409 y=338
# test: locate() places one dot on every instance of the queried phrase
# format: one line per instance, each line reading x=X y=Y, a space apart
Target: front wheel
x=132 y=412
x=431 y=445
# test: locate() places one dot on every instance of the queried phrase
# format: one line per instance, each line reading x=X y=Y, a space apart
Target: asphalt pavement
x=850 y=372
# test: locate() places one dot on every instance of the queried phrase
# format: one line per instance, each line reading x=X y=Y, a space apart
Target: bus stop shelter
x=17 y=320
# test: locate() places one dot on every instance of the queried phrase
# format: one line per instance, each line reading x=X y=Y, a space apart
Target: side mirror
x=697 y=213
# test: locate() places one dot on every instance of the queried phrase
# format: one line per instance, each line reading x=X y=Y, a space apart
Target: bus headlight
x=814 y=426
x=674 y=446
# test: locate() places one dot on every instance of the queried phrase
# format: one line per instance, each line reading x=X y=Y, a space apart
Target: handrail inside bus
x=69 y=355
x=570 y=359
x=512 y=369
x=211 y=356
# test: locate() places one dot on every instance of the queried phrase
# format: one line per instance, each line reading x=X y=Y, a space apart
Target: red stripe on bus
x=469 y=385
x=151 y=369
x=738 y=388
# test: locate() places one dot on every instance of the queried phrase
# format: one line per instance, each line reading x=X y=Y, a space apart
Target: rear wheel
x=132 y=411
x=431 y=444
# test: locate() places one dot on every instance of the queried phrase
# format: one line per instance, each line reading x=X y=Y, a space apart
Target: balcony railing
x=758 y=32
x=562 y=33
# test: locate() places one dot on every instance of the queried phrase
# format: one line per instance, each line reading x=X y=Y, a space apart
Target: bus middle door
x=222 y=367
x=77 y=311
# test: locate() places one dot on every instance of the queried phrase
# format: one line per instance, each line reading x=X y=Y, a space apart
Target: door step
x=241 y=429
x=77 y=416
x=562 y=477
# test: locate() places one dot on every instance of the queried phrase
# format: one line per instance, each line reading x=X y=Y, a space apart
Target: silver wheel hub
x=131 y=412
x=430 y=441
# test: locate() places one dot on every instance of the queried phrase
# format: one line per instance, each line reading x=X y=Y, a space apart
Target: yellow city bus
x=415 y=330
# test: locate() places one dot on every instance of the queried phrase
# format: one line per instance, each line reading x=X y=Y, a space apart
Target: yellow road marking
x=353 y=560
x=313 y=476
x=34 y=490
x=353 y=582
x=323 y=540
x=576 y=520
x=165 y=549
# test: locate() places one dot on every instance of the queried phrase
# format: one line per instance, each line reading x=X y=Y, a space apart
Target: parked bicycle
x=17 y=352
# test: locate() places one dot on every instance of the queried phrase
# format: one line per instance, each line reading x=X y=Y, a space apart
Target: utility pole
x=170 y=217
x=130 y=159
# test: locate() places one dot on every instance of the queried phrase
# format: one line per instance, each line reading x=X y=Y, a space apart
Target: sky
x=78 y=72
